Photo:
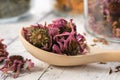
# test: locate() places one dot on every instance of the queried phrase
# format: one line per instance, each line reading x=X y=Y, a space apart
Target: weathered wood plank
x=85 y=72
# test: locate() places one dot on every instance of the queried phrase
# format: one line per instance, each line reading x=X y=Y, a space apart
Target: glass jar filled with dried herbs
x=103 y=18
x=12 y=10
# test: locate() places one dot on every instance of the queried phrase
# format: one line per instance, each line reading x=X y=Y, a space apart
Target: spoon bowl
x=95 y=55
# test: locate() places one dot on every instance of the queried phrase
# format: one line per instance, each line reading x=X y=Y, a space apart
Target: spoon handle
x=105 y=56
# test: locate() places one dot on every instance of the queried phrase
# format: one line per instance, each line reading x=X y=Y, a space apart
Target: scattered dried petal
x=111 y=71
x=93 y=45
x=102 y=40
x=102 y=63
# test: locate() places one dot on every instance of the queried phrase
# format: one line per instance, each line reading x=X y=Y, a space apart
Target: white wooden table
x=44 y=71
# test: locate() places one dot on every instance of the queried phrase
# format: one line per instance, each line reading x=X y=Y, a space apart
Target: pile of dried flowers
x=14 y=63
x=60 y=37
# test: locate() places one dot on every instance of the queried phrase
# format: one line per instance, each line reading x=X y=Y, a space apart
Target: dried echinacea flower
x=3 y=52
x=37 y=35
x=60 y=37
x=62 y=25
x=16 y=63
x=69 y=43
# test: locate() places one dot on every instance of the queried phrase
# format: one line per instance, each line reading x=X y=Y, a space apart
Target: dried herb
x=39 y=36
x=102 y=40
x=114 y=8
x=3 y=52
x=111 y=71
x=117 y=69
x=16 y=63
x=13 y=63
x=60 y=37
x=102 y=63
x=93 y=45
x=106 y=21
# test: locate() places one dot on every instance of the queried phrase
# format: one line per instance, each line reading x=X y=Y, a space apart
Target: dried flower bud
x=39 y=37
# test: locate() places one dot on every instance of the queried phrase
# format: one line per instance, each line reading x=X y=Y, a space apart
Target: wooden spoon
x=95 y=55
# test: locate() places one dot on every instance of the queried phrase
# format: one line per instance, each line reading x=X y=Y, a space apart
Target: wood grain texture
x=84 y=72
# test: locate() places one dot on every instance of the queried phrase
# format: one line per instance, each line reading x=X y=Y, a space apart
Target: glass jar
x=68 y=7
x=13 y=10
x=103 y=18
